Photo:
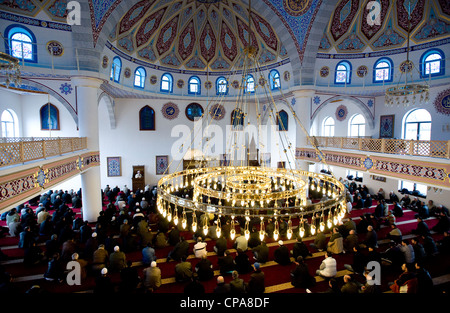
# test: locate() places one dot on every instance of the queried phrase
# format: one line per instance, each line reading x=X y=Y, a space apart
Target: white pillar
x=302 y=110
x=87 y=94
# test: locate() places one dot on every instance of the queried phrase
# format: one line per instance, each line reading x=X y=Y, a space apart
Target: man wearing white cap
x=103 y=284
x=152 y=277
x=117 y=260
x=281 y=254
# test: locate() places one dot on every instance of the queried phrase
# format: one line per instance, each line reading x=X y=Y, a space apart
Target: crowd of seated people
x=131 y=223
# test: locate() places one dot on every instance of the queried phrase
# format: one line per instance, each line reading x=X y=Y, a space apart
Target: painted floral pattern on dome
x=195 y=34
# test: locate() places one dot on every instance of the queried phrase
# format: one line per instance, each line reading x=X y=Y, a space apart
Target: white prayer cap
x=104 y=271
x=280 y=242
x=153 y=264
x=116 y=248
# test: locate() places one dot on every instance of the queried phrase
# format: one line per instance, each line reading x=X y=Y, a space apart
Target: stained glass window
x=343 y=73
x=221 y=86
x=383 y=70
x=49 y=117
x=147 y=118
x=432 y=63
x=21 y=46
x=284 y=118
x=194 y=111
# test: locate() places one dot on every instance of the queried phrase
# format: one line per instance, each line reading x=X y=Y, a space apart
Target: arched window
x=9 y=124
x=166 y=83
x=139 y=77
x=417 y=125
x=250 y=84
x=274 y=79
x=221 y=86
x=284 y=118
x=432 y=63
x=343 y=73
x=357 y=126
x=237 y=118
x=147 y=118
x=383 y=70
x=21 y=43
x=194 y=85
x=194 y=111
x=49 y=117
x=328 y=127
x=116 y=68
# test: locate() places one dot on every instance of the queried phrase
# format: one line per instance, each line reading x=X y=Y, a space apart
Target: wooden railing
x=426 y=148
x=24 y=149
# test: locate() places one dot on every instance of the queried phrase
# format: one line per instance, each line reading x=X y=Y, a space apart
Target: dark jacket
x=256 y=283
x=281 y=255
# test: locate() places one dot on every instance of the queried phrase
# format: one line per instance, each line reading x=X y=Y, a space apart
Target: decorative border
x=442 y=102
x=34 y=22
x=341 y=112
x=19 y=186
x=170 y=111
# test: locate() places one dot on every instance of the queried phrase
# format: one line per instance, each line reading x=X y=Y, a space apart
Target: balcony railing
x=25 y=149
x=425 y=148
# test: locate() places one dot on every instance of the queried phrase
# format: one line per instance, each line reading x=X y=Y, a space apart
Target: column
x=302 y=110
x=87 y=106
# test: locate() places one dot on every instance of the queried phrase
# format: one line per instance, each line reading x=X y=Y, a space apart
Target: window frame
x=114 y=75
x=143 y=74
x=247 y=83
x=274 y=75
x=390 y=68
x=140 y=118
x=324 y=133
x=5 y=123
x=218 y=84
x=419 y=123
x=350 y=124
x=170 y=82
x=423 y=63
x=198 y=83
x=283 y=127
x=15 y=29
x=348 y=71
x=55 y=110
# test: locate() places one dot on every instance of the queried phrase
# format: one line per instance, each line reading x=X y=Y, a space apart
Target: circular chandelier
x=11 y=66
x=209 y=190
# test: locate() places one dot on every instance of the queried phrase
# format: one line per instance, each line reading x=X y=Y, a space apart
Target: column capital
x=85 y=81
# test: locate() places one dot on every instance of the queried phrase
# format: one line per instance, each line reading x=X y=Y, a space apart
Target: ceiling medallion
x=362 y=71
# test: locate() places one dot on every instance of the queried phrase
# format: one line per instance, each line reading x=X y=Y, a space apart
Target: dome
x=195 y=35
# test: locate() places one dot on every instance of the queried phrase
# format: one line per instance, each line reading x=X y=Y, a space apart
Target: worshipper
x=103 y=284
x=100 y=259
x=419 y=250
x=370 y=287
x=261 y=253
x=406 y=282
x=221 y=286
x=226 y=263
x=204 y=269
x=183 y=270
x=200 y=248
x=281 y=255
x=327 y=268
x=397 y=209
x=351 y=241
x=422 y=228
x=220 y=246
x=83 y=265
x=117 y=260
x=148 y=255
x=300 y=249
x=256 y=283
x=350 y=286
x=359 y=261
x=180 y=250
x=371 y=239
x=300 y=276
x=408 y=252
x=52 y=246
x=320 y=241
x=336 y=243
x=444 y=244
x=160 y=240
x=429 y=245
x=55 y=269
x=242 y=262
x=443 y=224
x=237 y=285
x=395 y=234
x=393 y=197
x=240 y=242
x=152 y=277
x=424 y=281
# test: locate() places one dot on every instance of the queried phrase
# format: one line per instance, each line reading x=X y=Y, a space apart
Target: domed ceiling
x=195 y=34
x=352 y=27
